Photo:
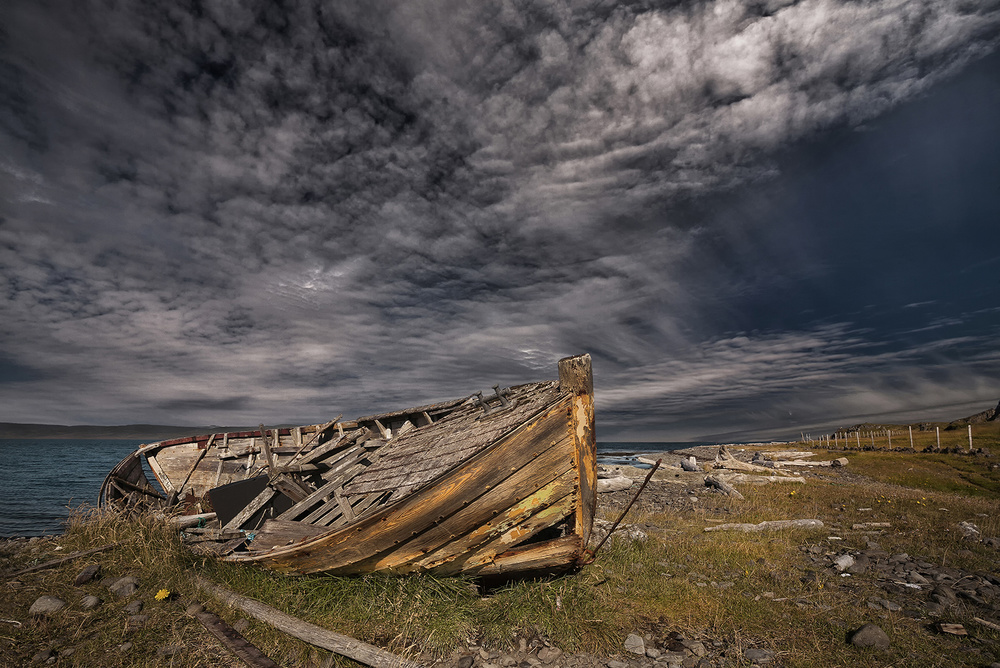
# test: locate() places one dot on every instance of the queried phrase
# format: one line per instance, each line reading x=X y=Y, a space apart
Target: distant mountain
x=142 y=432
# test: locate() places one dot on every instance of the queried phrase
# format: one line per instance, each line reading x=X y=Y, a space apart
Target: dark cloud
x=277 y=211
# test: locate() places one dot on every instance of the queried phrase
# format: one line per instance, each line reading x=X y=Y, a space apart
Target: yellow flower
x=162 y=594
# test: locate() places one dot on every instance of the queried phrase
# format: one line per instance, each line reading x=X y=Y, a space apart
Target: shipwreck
x=494 y=485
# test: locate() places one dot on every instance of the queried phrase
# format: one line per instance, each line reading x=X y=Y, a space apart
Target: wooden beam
x=232 y=640
x=161 y=477
x=310 y=633
x=248 y=510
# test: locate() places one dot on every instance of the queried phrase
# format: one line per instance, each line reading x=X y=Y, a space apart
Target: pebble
x=138 y=620
x=87 y=574
x=758 y=656
x=134 y=608
x=465 y=662
x=46 y=605
x=549 y=654
x=635 y=644
x=617 y=664
x=870 y=635
x=124 y=587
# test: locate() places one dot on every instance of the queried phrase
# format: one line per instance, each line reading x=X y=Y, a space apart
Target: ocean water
x=40 y=480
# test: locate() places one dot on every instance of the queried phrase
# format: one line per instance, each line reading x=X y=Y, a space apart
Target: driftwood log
x=720 y=484
x=768 y=526
x=310 y=633
x=726 y=460
x=62 y=560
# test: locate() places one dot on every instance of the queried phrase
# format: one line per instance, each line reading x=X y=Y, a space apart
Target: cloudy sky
x=758 y=217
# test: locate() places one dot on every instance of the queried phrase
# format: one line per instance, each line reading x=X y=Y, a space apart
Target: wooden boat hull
x=508 y=492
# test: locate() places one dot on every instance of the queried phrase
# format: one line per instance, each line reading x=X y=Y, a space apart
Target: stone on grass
x=758 y=656
x=138 y=620
x=870 y=635
x=124 y=587
x=90 y=602
x=549 y=654
x=46 y=605
x=843 y=562
x=466 y=661
x=87 y=574
x=617 y=664
x=134 y=608
x=635 y=644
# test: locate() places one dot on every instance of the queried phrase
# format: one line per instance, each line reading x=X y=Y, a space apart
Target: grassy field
x=737 y=590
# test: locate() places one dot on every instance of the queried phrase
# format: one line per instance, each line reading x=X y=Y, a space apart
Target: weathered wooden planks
x=383 y=530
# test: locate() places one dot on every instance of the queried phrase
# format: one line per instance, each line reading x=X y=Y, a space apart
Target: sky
x=759 y=218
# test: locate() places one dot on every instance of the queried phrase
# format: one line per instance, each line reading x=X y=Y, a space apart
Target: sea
x=41 y=480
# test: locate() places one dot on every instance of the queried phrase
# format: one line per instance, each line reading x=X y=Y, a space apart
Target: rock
x=87 y=574
x=549 y=654
x=758 y=656
x=860 y=565
x=138 y=620
x=652 y=653
x=690 y=464
x=90 y=602
x=635 y=644
x=124 y=587
x=134 y=608
x=617 y=664
x=840 y=461
x=613 y=484
x=46 y=605
x=465 y=661
x=696 y=647
x=843 y=562
x=125 y=646
x=870 y=635
x=43 y=656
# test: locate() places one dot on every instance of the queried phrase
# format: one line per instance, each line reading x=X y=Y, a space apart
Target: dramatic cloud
x=236 y=212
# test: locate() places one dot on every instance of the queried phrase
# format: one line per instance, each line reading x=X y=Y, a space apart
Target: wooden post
x=889 y=434
x=970 y=438
x=857 y=435
x=937 y=430
x=911 y=435
x=576 y=377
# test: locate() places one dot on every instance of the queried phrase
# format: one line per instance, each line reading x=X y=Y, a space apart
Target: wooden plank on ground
x=310 y=633
x=232 y=640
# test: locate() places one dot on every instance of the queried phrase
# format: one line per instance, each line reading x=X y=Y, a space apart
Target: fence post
x=857 y=435
x=911 y=435
x=970 y=438
x=937 y=430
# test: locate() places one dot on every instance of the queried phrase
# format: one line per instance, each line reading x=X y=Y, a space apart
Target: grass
x=744 y=590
